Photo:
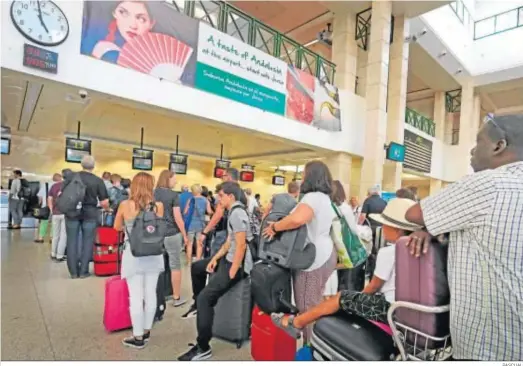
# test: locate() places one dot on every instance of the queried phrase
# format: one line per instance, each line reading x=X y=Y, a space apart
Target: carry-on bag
x=232 y=314
x=422 y=280
x=271 y=287
x=268 y=342
x=107 y=259
x=350 y=250
x=164 y=289
x=344 y=337
x=288 y=249
x=108 y=236
x=116 y=310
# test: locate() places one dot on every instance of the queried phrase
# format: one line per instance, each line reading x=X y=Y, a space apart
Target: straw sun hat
x=394 y=215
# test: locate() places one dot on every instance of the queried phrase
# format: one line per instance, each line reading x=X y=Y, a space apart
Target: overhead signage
x=5 y=147
x=396 y=152
x=219 y=172
x=142 y=159
x=76 y=149
x=40 y=59
x=178 y=163
x=247 y=167
x=246 y=176
x=224 y=164
x=176 y=48
x=278 y=180
x=387 y=196
x=418 y=152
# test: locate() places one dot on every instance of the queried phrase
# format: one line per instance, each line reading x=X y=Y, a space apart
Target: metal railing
x=244 y=27
x=498 y=23
x=420 y=122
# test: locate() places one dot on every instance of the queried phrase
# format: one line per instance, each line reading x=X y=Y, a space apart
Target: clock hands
x=41 y=18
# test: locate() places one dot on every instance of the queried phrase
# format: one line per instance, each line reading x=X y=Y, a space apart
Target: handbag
x=41 y=213
x=351 y=252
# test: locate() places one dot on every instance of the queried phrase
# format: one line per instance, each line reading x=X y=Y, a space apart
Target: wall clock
x=42 y=22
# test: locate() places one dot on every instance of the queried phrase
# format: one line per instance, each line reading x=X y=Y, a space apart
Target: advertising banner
x=152 y=37
x=230 y=68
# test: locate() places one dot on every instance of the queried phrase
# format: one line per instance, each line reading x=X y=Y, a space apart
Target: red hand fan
x=156 y=54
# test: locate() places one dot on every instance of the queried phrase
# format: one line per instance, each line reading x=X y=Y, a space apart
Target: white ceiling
x=118 y=122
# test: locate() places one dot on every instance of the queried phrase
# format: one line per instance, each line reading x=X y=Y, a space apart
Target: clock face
x=42 y=22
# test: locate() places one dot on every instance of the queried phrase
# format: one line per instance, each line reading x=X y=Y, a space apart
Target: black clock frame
x=45 y=44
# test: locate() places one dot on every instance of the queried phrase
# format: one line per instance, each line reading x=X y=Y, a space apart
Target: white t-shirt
x=386 y=271
x=251 y=204
x=318 y=229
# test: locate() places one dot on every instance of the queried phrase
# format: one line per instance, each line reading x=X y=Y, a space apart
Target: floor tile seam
x=42 y=313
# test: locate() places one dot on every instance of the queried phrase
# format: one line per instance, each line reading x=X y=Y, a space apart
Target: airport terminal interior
x=387 y=94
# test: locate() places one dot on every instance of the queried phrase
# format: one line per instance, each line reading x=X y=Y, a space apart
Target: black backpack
x=73 y=193
x=148 y=233
x=25 y=190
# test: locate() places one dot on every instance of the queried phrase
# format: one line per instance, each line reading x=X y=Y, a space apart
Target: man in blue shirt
x=185 y=196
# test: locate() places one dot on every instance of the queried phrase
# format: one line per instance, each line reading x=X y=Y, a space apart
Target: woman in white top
x=141 y=272
x=315 y=211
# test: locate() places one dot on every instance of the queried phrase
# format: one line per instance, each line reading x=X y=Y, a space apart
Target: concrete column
x=435 y=186
x=376 y=96
x=340 y=166
x=440 y=115
x=468 y=125
x=345 y=50
x=397 y=99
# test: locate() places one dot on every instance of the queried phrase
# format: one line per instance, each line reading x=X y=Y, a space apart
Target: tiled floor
x=47 y=316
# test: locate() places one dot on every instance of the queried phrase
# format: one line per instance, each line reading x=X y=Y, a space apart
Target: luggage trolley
x=413 y=344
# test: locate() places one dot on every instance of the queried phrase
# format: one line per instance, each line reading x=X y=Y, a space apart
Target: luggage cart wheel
x=239 y=344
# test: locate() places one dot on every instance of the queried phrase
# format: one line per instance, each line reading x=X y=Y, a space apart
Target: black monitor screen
x=178 y=168
x=76 y=149
x=246 y=176
x=142 y=159
x=278 y=180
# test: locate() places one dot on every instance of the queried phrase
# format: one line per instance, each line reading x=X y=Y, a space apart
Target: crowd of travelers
x=482 y=213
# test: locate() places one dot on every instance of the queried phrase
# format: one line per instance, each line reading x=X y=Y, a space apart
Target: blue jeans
x=79 y=253
x=219 y=239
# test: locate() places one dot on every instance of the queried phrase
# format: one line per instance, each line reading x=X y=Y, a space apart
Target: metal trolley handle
x=413 y=306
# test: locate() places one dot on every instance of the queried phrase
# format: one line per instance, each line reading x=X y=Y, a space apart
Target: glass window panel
x=520 y=21
x=264 y=39
x=484 y=27
x=507 y=21
x=207 y=11
x=238 y=26
x=454 y=5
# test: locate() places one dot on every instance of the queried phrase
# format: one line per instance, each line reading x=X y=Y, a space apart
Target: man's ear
x=500 y=147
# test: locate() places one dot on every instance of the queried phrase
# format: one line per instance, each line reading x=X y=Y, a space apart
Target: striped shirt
x=484 y=214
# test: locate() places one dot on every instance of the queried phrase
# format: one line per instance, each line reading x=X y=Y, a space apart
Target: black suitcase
x=352 y=279
x=232 y=314
x=164 y=289
x=344 y=337
x=271 y=288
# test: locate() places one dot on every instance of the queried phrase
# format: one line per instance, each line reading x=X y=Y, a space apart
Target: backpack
x=25 y=191
x=289 y=249
x=148 y=233
x=251 y=244
x=73 y=194
x=119 y=195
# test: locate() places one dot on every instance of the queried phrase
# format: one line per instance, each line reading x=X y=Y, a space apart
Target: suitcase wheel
x=239 y=344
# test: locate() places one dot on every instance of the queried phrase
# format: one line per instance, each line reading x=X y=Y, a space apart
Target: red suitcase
x=268 y=342
x=108 y=236
x=422 y=281
x=116 y=309
x=107 y=259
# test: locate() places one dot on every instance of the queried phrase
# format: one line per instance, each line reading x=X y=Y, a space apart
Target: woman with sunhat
x=374 y=301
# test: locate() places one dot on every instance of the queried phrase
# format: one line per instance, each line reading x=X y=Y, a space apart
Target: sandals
x=290 y=329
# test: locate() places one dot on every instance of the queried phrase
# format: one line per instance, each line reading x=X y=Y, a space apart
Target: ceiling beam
x=509 y=110
x=487 y=102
